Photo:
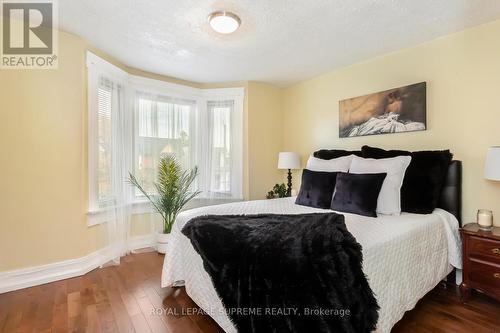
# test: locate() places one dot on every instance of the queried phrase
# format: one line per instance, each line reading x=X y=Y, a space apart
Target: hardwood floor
x=441 y=311
x=124 y=298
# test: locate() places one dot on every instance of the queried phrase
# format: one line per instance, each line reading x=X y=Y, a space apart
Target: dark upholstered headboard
x=451 y=195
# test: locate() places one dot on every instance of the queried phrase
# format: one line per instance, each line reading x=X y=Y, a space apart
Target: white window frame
x=97 y=66
x=237 y=95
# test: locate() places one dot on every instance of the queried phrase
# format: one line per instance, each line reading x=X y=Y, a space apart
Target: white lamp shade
x=288 y=160
x=492 y=165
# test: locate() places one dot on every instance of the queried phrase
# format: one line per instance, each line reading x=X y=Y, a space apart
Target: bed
x=405 y=256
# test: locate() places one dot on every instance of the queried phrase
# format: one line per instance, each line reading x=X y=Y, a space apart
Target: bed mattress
x=404 y=256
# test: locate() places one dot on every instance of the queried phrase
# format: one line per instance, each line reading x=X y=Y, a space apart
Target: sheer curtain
x=163 y=126
x=218 y=151
x=110 y=144
x=117 y=136
x=206 y=135
x=122 y=124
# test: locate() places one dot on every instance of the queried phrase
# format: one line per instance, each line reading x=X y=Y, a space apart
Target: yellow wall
x=265 y=138
x=43 y=151
x=43 y=193
x=463 y=105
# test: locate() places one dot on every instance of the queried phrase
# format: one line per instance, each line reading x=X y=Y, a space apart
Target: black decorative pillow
x=357 y=193
x=328 y=154
x=424 y=178
x=316 y=189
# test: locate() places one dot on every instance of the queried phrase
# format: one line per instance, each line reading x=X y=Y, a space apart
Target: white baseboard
x=33 y=276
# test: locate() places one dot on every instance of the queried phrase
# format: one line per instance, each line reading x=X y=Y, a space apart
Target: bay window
x=133 y=121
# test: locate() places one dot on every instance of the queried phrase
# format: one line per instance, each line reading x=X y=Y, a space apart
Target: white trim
x=237 y=127
x=104 y=215
x=33 y=276
x=163 y=88
x=99 y=216
x=223 y=93
x=144 y=207
x=92 y=78
x=105 y=66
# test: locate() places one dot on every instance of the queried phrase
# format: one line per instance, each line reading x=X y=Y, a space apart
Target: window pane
x=163 y=128
x=220 y=112
x=145 y=117
x=104 y=143
x=173 y=120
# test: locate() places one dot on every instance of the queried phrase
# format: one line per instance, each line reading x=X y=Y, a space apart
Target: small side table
x=481 y=261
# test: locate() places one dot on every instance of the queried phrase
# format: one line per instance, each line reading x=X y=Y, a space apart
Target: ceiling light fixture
x=224 y=22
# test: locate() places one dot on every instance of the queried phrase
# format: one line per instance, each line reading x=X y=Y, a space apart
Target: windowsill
x=103 y=215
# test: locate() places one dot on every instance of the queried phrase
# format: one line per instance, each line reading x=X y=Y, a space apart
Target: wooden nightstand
x=481 y=261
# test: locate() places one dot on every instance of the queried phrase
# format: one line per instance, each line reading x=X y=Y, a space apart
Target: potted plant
x=173 y=193
x=278 y=191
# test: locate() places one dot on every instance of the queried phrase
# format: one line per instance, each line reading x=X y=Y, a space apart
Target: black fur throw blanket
x=286 y=273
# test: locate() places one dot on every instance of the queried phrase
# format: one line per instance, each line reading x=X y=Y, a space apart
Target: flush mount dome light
x=224 y=22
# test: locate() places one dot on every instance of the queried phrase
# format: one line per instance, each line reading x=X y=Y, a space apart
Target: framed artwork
x=391 y=111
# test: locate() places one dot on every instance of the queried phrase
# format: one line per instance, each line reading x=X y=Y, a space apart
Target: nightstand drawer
x=484 y=247
x=485 y=276
x=481 y=260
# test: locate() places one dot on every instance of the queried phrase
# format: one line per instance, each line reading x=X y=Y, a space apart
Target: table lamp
x=290 y=161
x=491 y=172
x=492 y=165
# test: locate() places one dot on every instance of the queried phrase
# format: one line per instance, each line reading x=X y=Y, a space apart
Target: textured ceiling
x=280 y=41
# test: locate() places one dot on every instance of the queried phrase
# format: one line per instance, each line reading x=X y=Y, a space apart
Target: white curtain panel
x=219 y=150
x=114 y=160
x=163 y=126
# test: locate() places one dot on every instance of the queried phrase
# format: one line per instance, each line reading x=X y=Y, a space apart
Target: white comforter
x=404 y=257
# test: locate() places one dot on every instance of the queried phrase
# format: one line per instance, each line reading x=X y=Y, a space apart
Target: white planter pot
x=161 y=242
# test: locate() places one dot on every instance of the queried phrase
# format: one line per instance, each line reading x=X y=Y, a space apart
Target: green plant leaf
x=173 y=189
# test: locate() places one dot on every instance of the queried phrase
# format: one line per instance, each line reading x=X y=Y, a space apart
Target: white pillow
x=389 y=198
x=340 y=164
